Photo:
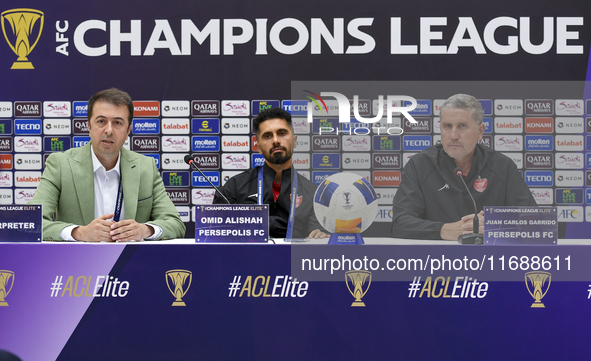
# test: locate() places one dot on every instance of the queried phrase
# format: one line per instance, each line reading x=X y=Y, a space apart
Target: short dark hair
x=273 y=113
x=112 y=96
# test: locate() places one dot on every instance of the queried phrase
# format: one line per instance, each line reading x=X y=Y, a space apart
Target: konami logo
x=539 y=125
x=386 y=178
x=146 y=108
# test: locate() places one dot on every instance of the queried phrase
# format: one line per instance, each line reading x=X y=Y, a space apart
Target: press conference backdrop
x=200 y=71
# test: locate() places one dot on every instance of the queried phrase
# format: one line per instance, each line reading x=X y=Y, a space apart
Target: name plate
x=21 y=223
x=237 y=223
x=520 y=225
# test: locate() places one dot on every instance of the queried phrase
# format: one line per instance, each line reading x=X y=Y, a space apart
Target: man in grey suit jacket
x=102 y=191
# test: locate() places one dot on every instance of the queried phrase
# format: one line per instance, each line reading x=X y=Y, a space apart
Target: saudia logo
x=23 y=28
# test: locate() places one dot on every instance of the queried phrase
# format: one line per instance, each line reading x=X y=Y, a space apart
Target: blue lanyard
x=293 y=199
x=119 y=203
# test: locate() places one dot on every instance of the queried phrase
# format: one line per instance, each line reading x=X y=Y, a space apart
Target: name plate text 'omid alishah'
x=237 y=223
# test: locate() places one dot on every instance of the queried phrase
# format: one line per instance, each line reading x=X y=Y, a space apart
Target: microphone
x=475 y=237
x=189 y=160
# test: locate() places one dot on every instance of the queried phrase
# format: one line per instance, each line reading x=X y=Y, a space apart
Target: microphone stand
x=475 y=237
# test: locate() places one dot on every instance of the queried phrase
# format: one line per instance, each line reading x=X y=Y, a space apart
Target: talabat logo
x=569 y=143
x=235 y=143
x=26 y=26
x=508 y=125
x=175 y=126
x=300 y=160
x=27 y=179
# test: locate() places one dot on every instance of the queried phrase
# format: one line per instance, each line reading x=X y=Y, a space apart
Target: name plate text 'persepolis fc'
x=242 y=223
x=520 y=225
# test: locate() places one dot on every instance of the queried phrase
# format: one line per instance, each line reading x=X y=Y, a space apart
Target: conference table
x=295 y=300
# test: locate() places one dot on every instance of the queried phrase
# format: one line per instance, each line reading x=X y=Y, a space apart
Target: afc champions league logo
x=358 y=283
x=22 y=23
x=6 y=279
x=537 y=284
x=181 y=281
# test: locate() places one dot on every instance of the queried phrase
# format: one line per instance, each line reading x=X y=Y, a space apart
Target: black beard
x=278 y=159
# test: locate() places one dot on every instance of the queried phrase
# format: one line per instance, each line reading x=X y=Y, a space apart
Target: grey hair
x=466 y=102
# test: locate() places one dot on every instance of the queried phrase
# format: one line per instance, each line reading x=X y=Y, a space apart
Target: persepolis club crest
x=480 y=184
x=298 y=200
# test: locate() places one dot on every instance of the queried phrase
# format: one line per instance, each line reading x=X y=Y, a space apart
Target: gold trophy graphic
x=178 y=277
x=5 y=277
x=537 y=281
x=22 y=23
x=358 y=280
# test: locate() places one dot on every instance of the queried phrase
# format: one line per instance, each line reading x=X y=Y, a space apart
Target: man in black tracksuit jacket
x=431 y=202
x=276 y=141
